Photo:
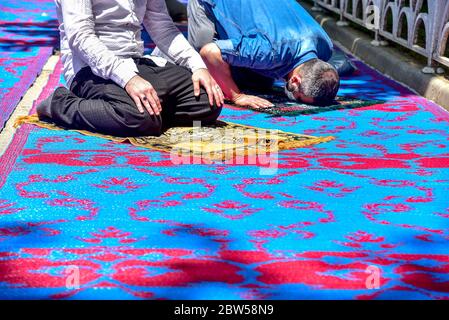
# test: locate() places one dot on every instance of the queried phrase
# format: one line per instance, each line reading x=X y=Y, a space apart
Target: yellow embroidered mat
x=219 y=142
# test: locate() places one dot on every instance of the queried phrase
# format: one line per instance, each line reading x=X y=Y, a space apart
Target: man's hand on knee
x=202 y=77
x=144 y=95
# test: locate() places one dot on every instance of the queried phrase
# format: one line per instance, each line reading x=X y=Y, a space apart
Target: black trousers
x=177 y=10
x=100 y=105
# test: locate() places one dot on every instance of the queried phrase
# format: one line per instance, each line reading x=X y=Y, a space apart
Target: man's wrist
x=196 y=62
x=129 y=81
x=199 y=68
x=236 y=96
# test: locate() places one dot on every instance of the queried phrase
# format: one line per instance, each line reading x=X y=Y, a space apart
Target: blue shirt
x=271 y=37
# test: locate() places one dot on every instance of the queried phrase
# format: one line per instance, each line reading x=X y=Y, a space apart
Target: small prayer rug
x=219 y=142
x=284 y=107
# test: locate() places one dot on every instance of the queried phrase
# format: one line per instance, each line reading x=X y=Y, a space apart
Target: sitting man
x=251 y=43
x=114 y=89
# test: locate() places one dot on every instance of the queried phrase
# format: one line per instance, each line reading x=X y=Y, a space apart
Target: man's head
x=313 y=82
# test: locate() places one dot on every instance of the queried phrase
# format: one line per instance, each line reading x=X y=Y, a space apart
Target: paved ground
x=136 y=225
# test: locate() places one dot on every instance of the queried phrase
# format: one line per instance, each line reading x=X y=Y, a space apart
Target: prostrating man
x=252 y=42
x=114 y=89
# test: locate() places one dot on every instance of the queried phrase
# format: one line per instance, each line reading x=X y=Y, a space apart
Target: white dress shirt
x=106 y=34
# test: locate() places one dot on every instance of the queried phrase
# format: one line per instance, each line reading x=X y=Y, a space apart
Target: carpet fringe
x=31 y=119
x=300 y=144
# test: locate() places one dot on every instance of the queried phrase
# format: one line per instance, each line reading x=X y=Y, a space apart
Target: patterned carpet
x=136 y=225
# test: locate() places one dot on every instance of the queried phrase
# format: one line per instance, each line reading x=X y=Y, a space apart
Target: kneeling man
x=114 y=89
x=253 y=42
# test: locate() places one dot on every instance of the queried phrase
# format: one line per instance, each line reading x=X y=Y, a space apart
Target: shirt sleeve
x=168 y=38
x=79 y=27
x=252 y=51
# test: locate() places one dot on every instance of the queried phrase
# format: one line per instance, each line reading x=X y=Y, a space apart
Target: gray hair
x=319 y=81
